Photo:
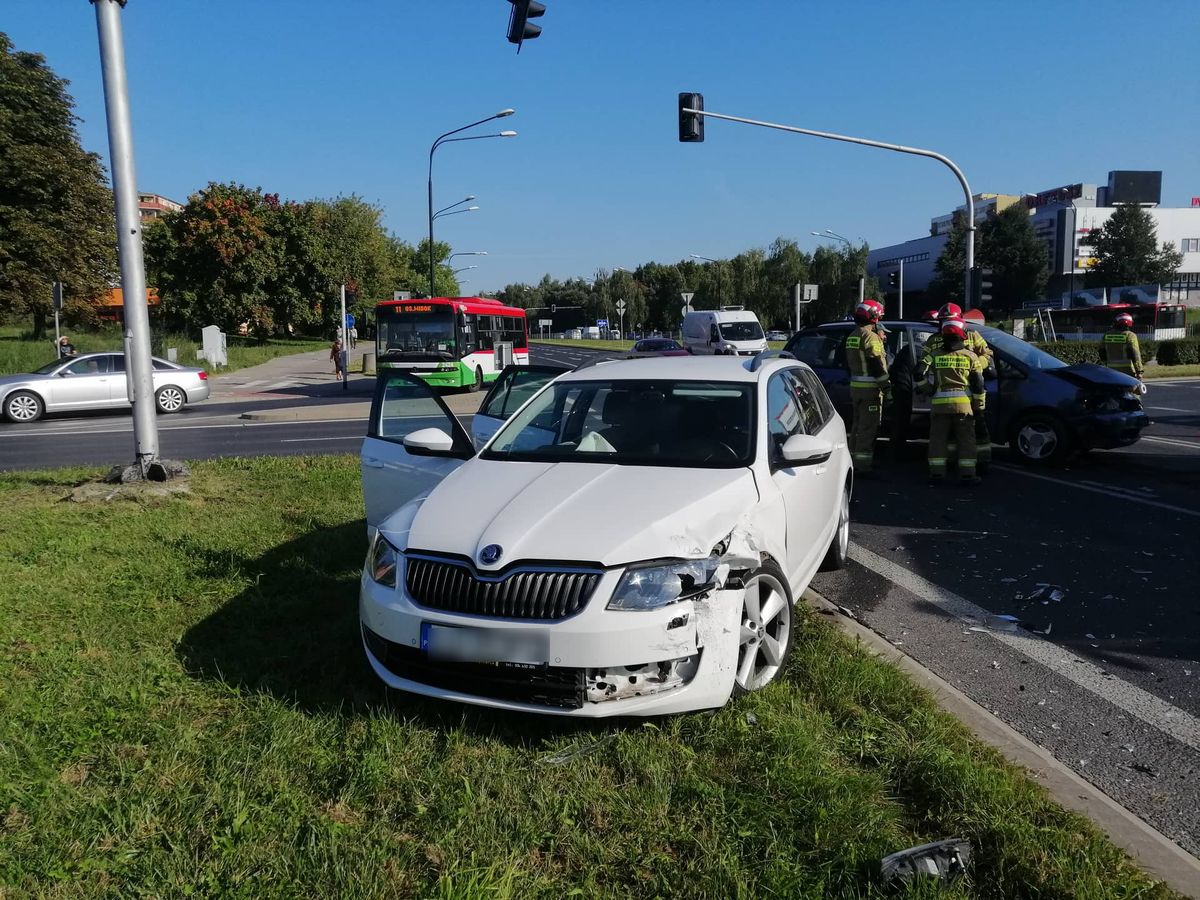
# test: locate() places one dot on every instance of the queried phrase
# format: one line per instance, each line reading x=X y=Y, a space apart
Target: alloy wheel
x=23 y=408
x=170 y=399
x=1037 y=440
x=766 y=631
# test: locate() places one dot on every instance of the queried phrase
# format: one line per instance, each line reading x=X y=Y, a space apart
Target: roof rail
x=760 y=358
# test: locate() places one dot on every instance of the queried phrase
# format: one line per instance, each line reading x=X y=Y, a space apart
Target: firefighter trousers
x=866 y=414
x=983 y=438
x=962 y=427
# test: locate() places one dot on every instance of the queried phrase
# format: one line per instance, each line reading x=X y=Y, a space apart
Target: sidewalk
x=301 y=374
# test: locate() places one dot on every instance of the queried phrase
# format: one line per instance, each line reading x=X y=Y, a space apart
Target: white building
x=1064 y=218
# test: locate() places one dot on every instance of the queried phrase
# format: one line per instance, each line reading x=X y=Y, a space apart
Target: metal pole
x=862 y=288
x=901 y=316
x=129 y=231
x=898 y=148
x=430 y=186
x=345 y=344
x=57 y=335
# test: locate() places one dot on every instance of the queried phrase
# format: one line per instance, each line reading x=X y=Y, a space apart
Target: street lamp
x=862 y=279
x=442 y=213
x=466 y=252
x=720 y=273
x=463 y=269
x=445 y=139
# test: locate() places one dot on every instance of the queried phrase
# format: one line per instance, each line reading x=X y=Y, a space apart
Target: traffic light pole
x=901 y=310
x=129 y=232
x=897 y=148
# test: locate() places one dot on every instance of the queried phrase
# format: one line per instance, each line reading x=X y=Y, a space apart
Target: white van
x=731 y=331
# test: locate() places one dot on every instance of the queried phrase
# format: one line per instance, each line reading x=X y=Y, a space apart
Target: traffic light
x=894 y=280
x=691 y=126
x=519 y=28
x=981 y=287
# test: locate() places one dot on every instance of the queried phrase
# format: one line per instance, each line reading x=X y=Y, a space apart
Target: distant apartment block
x=151 y=206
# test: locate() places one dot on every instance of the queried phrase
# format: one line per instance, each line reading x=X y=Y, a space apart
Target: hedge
x=1179 y=353
x=1072 y=352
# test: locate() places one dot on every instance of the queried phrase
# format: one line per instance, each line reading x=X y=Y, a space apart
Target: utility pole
x=901 y=310
x=129 y=233
x=345 y=344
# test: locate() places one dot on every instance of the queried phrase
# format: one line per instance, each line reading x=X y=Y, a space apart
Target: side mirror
x=806 y=450
x=428 y=441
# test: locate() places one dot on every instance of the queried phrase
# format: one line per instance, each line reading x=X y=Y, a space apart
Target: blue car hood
x=1090 y=374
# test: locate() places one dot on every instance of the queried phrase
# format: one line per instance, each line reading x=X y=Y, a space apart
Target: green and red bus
x=450 y=341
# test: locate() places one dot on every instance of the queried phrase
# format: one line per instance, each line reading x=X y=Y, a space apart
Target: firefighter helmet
x=953 y=325
x=930 y=316
x=1124 y=320
x=950 y=310
x=868 y=312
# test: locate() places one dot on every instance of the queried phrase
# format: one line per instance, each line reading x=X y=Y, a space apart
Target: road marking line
x=1171 y=409
x=1153 y=710
x=1174 y=441
x=340 y=437
x=1096 y=490
x=1139 y=493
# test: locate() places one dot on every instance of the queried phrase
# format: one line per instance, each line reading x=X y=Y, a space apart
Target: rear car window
x=820 y=349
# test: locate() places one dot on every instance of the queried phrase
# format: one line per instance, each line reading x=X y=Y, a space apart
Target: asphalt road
x=1101 y=667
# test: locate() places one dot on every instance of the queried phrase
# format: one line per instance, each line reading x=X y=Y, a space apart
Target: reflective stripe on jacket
x=1121 y=352
x=866 y=360
x=952 y=370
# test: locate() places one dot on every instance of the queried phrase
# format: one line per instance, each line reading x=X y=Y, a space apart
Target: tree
x=1127 y=251
x=1016 y=255
x=56 y=212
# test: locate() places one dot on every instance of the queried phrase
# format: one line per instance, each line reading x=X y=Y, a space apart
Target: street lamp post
x=862 y=279
x=445 y=139
x=720 y=272
x=463 y=269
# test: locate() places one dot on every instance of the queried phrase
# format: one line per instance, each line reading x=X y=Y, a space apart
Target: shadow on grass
x=294 y=635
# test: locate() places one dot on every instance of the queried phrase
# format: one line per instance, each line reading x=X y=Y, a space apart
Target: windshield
x=658 y=345
x=741 y=331
x=1017 y=349
x=644 y=423
x=49 y=367
x=421 y=328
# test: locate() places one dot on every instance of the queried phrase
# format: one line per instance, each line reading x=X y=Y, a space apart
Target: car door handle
x=372 y=462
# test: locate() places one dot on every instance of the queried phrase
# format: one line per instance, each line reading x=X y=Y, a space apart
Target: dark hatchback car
x=1044 y=409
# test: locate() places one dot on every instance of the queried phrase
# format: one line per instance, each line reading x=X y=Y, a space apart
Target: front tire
x=169 y=399
x=24 y=406
x=765 y=638
x=1040 y=439
x=839 y=546
x=478 y=382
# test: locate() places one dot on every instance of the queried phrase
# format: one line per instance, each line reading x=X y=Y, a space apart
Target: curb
x=1156 y=853
x=332 y=413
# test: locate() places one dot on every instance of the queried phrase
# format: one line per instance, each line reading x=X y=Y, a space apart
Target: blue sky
x=315 y=98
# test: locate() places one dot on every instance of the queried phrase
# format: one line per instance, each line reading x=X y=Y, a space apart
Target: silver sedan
x=95 y=381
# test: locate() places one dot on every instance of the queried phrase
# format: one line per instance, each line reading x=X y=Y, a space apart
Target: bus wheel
x=478 y=382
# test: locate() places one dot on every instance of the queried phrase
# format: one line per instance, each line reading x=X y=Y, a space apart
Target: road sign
x=602 y=323
x=58 y=295
x=620 y=306
x=545 y=323
x=809 y=293
x=687 y=297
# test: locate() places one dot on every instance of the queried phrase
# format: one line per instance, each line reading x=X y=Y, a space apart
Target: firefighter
x=957 y=380
x=1121 y=350
x=976 y=344
x=930 y=316
x=869 y=384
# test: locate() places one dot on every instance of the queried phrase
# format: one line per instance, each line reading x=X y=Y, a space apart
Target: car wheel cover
x=1037 y=440
x=765 y=632
x=23 y=408
x=170 y=399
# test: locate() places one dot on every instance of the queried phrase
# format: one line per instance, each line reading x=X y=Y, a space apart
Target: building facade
x=1064 y=218
x=151 y=206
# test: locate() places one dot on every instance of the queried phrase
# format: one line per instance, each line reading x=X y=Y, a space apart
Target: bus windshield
x=419 y=328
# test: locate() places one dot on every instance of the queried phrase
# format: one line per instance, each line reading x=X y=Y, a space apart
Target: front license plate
x=485 y=645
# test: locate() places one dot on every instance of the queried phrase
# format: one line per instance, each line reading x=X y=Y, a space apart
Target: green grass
x=19 y=353
x=186 y=711
x=1171 y=371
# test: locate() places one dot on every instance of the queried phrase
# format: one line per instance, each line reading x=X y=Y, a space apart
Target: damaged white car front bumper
x=596 y=662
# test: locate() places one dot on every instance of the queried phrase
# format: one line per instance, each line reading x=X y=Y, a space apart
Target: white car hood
x=580 y=512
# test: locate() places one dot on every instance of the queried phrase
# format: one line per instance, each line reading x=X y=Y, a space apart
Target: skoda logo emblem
x=490 y=555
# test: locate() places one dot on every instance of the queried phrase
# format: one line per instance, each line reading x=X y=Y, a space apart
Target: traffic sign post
x=803 y=293
x=58 y=305
x=621 y=313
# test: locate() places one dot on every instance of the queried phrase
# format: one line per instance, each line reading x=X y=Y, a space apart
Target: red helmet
x=953 y=325
x=869 y=311
x=950 y=310
x=1124 y=320
x=931 y=316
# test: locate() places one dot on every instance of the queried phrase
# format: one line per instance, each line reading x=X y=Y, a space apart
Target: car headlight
x=657 y=584
x=382 y=563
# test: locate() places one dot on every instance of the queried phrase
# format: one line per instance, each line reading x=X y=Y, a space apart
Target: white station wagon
x=628 y=542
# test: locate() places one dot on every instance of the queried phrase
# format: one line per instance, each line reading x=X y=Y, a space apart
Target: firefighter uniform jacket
x=867 y=362
x=957 y=377
x=1121 y=352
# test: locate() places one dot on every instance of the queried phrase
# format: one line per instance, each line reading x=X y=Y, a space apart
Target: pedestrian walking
x=353 y=337
x=958 y=381
x=869 y=385
x=335 y=355
x=1121 y=350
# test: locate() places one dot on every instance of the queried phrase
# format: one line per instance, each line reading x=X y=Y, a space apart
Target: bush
x=1073 y=352
x=1179 y=353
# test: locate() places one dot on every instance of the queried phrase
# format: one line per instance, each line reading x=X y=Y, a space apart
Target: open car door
x=392 y=475
x=508 y=393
